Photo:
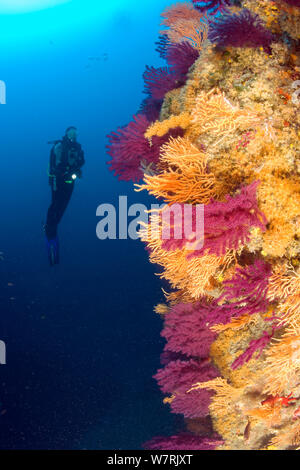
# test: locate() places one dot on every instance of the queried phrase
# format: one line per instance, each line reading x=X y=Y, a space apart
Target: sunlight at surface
x=23 y=6
x=23 y=21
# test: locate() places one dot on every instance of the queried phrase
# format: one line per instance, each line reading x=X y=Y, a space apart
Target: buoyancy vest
x=65 y=156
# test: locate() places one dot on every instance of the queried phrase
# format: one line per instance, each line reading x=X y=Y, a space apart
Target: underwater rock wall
x=220 y=126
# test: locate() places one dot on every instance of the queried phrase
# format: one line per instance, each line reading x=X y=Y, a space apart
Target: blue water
x=82 y=339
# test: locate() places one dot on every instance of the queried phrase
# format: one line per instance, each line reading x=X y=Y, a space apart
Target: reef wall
x=220 y=126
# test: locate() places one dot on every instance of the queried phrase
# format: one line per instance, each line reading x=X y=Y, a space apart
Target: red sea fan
x=177 y=377
x=186 y=330
x=226 y=224
x=169 y=356
x=150 y=108
x=243 y=29
x=183 y=441
x=247 y=290
x=220 y=314
x=187 y=326
x=162 y=45
x=158 y=81
x=192 y=405
x=128 y=147
x=255 y=346
x=211 y=6
x=180 y=58
x=244 y=294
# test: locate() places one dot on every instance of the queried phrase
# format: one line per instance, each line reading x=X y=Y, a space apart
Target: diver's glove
x=53 y=250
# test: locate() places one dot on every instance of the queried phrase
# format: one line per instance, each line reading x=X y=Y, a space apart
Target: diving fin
x=53 y=250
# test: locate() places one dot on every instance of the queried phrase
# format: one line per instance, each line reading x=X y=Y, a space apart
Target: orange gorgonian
x=185 y=24
x=185 y=178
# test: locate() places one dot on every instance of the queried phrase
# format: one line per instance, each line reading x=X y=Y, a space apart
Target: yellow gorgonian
x=281 y=373
x=284 y=285
x=215 y=116
x=185 y=23
x=160 y=128
x=185 y=178
x=194 y=276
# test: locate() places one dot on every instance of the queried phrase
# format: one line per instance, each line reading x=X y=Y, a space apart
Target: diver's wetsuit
x=66 y=159
x=60 y=200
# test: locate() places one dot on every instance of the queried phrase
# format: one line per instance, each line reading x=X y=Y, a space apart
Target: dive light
x=72 y=178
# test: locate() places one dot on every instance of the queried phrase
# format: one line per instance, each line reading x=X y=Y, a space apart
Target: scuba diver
x=66 y=160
